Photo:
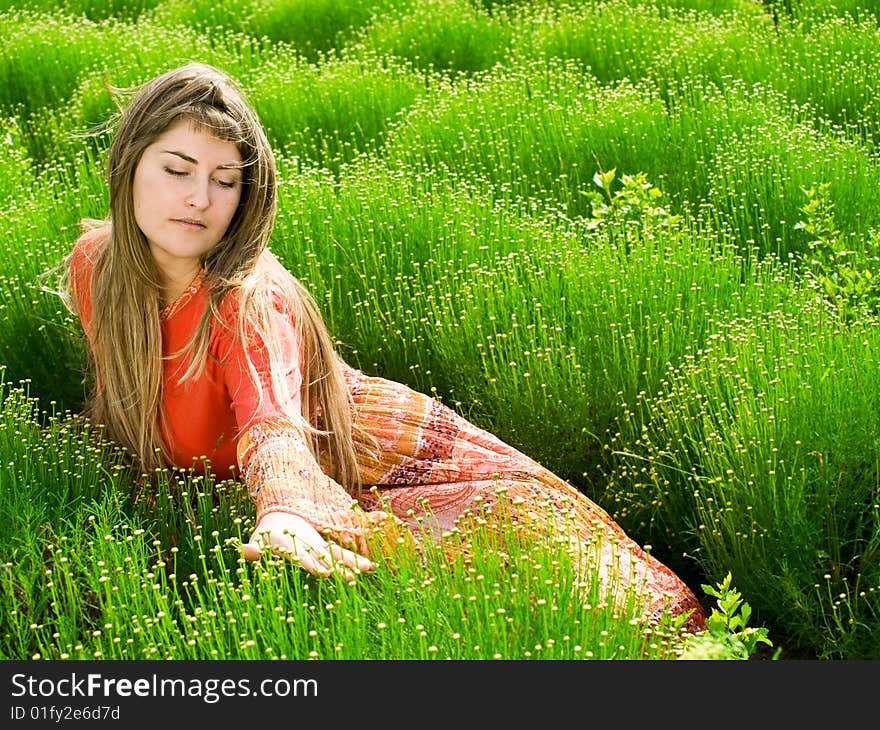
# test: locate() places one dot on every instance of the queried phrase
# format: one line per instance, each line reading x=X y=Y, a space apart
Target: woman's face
x=186 y=189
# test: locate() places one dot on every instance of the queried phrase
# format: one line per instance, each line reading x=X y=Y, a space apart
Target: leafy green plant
x=636 y=202
x=840 y=270
x=727 y=635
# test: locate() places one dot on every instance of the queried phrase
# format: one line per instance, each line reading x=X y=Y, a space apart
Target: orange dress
x=433 y=465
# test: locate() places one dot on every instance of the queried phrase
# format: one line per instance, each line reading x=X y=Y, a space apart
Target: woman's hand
x=295 y=539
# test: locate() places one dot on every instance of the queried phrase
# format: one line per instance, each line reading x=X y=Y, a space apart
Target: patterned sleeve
x=282 y=476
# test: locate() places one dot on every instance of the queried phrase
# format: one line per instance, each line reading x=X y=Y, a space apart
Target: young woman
x=205 y=348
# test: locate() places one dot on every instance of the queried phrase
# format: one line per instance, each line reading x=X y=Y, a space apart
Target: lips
x=191 y=223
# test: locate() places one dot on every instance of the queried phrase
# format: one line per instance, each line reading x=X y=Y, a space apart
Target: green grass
x=828 y=66
x=662 y=348
x=39 y=339
x=449 y=35
x=333 y=113
x=539 y=131
x=806 y=10
x=55 y=70
x=96 y=10
x=312 y=28
x=101 y=567
x=761 y=454
x=572 y=320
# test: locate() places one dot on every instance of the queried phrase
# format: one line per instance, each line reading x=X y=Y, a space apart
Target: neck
x=175 y=282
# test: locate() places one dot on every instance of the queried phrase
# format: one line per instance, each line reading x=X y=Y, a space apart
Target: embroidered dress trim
x=187 y=294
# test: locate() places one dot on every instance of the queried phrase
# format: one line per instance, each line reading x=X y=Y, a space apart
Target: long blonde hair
x=125 y=289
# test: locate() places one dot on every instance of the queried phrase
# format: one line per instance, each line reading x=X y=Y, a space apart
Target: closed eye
x=176 y=173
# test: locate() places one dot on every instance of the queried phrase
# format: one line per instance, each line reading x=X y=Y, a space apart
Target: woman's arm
x=81 y=262
x=301 y=512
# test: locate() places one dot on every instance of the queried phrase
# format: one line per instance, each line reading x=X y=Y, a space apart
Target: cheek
x=151 y=198
x=142 y=200
x=231 y=205
x=137 y=205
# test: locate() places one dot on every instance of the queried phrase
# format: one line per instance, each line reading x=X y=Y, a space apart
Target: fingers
x=318 y=557
x=284 y=545
x=250 y=550
x=350 y=558
x=314 y=560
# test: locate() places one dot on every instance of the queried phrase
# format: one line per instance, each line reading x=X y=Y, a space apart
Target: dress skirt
x=434 y=467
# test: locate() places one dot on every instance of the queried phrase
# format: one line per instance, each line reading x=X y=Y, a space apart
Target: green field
x=638 y=240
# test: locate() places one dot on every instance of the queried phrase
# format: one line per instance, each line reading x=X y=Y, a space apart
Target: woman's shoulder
x=81 y=263
x=89 y=244
x=265 y=307
x=265 y=288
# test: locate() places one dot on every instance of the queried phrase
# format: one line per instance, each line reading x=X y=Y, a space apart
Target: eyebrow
x=194 y=161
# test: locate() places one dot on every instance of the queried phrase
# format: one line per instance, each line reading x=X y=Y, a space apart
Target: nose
x=198 y=195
